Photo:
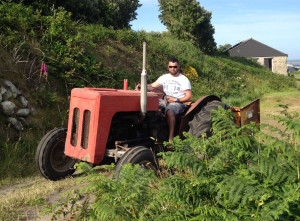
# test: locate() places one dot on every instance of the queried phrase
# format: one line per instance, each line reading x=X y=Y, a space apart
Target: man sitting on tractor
x=177 y=89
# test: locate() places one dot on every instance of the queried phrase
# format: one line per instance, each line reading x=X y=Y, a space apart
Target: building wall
x=279 y=64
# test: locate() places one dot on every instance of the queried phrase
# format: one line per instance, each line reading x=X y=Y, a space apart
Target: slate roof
x=253 y=48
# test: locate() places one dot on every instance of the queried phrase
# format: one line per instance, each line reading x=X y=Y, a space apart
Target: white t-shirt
x=174 y=86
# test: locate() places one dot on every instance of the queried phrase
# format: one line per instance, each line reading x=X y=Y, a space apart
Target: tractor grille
x=85 y=129
x=75 y=125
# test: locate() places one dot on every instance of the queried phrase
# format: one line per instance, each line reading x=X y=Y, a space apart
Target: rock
x=14 y=90
x=8 y=107
x=2 y=90
x=7 y=95
x=21 y=119
x=24 y=101
x=0 y=97
x=23 y=112
x=17 y=124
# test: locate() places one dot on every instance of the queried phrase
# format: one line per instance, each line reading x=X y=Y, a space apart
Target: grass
x=27 y=198
x=297 y=76
x=270 y=103
x=30 y=198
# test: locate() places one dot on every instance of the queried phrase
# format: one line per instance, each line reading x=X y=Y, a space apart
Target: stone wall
x=13 y=105
x=279 y=64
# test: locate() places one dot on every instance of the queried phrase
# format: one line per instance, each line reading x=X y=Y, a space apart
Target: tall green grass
x=17 y=160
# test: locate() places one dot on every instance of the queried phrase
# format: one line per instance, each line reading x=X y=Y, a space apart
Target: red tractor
x=123 y=126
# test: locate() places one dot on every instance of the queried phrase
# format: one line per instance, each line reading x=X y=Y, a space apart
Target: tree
x=222 y=49
x=111 y=13
x=187 y=20
x=120 y=13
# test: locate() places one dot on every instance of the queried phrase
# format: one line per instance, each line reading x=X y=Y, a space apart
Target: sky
x=275 y=23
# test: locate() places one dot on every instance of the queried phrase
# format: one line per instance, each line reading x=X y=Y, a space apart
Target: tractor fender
x=195 y=107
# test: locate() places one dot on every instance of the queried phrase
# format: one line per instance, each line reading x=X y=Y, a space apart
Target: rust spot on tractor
x=237 y=115
x=86 y=158
x=248 y=113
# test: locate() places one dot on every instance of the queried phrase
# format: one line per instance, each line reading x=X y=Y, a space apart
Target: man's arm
x=186 y=98
x=150 y=87
x=154 y=85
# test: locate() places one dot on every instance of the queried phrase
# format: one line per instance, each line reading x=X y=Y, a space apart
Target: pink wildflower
x=44 y=69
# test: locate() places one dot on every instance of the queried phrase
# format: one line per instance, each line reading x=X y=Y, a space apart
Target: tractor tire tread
x=134 y=156
x=43 y=152
x=201 y=122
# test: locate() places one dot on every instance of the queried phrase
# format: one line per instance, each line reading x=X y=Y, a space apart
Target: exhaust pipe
x=143 y=100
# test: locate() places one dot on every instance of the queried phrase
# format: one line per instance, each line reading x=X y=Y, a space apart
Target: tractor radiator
x=85 y=128
x=75 y=126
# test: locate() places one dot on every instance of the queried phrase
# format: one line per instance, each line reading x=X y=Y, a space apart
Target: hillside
x=80 y=55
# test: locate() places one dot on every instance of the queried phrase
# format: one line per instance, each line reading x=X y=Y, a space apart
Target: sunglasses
x=172 y=66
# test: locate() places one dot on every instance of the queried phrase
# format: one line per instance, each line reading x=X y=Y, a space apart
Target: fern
x=237 y=174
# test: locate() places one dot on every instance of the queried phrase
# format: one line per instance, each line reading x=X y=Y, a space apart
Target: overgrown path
x=27 y=197
x=271 y=103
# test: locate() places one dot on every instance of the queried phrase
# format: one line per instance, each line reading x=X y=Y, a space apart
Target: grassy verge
x=271 y=103
x=297 y=76
x=25 y=199
x=30 y=198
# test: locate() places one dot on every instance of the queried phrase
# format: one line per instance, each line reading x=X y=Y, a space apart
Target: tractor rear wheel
x=50 y=158
x=202 y=122
x=138 y=155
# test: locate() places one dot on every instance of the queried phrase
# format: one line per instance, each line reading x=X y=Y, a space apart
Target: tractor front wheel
x=138 y=155
x=50 y=158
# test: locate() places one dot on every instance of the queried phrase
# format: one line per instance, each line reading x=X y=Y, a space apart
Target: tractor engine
x=132 y=129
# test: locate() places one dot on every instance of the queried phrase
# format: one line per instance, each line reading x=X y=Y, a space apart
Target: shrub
x=191 y=74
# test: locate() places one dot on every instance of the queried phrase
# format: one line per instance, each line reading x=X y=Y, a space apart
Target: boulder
x=16 y=124
x=8 y=107
x=24 y=101
x=21 y=119
x=23 y=112
x=7 y=95
x=2 y=90
x=14 y=90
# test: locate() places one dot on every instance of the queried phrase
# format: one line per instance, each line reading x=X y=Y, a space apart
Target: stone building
x=271 y=58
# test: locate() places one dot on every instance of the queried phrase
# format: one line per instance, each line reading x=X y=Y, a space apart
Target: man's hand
x=171 y=99
x=138 y=87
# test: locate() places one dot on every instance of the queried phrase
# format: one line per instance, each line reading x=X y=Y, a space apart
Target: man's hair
x=173 y=60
